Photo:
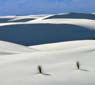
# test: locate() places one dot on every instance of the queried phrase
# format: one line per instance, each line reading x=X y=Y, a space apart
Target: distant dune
x=9 y=19
x=49 y=29
x=74 y=16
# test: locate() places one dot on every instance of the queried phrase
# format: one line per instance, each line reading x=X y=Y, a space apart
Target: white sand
x=57 y=59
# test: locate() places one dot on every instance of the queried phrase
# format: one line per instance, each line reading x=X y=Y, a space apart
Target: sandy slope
x=11 y=48
x=87 y=44
x=21 y=69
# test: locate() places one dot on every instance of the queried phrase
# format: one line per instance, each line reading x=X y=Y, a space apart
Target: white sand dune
x=64 y=38
x=25 y=18
x=83 y=44
x=11 y=48
x=18 y=19
x=21 y=69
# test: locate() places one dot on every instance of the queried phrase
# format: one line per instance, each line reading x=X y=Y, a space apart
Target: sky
x=28 y=7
